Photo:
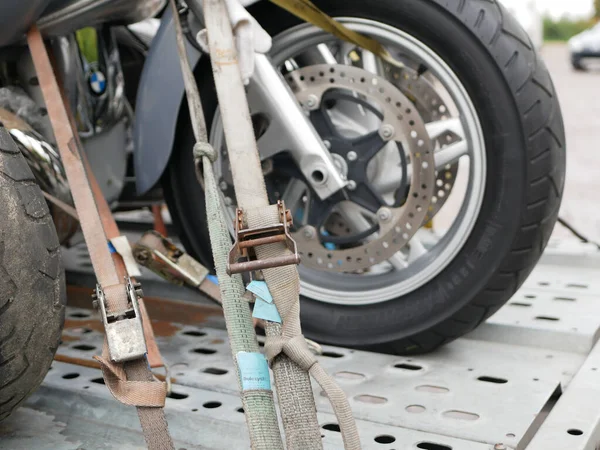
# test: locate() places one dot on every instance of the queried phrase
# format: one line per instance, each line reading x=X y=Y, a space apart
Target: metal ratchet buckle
x=124 y=330
x=246 y=239
x=164 y=258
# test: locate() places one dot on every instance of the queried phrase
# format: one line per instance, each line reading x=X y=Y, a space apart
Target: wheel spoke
x=416 y=249
x=292 y=196
x=353 y=217
x=444 y=156
x=439 y=127
x=319 y=54
x=398 y=261
x=450 y=154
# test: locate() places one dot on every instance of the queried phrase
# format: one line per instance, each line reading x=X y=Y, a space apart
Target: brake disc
x=400 y=122
x=431 y=107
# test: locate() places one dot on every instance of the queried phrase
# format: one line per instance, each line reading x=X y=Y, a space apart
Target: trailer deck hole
x=575 y=432
x=84 y=347
x=212 y=405
x=372 y=399
x=432 y=389
x=460 y=415
x=215 y=371
x=385 y=439
x=432 y=446
x=79 y=315
x=70 y=376
x=405 y=366
x=332 y=427
x=415 y=409
x=204 y=351
x=522 y=304
x=350 y=375
x=493 y=380
x=177 y=395
x=194 y=333
x=547 y=318
x=565 y=299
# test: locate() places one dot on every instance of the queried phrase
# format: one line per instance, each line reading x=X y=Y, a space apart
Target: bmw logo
x=97 y=82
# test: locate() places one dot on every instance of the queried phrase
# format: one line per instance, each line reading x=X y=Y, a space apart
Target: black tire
x=521 y=119
x=577 y=64
x=32 y=282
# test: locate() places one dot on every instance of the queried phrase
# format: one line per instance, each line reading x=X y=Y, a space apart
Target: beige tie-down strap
x=284 y=286
x=287 y=350
x=152 y=419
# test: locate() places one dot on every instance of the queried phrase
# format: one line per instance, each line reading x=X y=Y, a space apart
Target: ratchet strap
x=308 y=11
x=125 y=367
x=254 y=383
x=288 y=353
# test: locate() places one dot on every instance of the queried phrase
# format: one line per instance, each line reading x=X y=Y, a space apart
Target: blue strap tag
x=265 y=310
x=213 y=279
x=111 y=248
x=254 y=371
x=260 y=289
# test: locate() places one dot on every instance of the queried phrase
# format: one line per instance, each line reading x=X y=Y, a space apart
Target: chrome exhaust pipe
x=46 y=165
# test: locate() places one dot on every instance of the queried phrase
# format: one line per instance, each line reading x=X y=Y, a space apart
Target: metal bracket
x=161 y=256
x=246 y=239
x=124 y=330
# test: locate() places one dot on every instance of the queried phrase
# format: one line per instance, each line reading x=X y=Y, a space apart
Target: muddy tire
x=32 y=282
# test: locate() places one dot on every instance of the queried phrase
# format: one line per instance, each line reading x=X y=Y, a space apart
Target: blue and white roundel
x=97 y=82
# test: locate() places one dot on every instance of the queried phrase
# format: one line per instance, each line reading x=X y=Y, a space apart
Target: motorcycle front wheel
x=486 y=98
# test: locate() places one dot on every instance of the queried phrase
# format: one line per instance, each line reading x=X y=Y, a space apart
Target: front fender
x=159 y=98
x=158 y=103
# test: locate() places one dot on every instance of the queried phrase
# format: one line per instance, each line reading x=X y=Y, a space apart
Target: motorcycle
x=423 y=191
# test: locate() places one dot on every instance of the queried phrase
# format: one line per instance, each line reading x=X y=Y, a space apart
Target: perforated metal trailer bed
x=529 y=378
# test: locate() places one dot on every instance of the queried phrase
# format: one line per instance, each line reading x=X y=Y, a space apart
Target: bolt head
x=309 y=233
x=228 y=201
x=351 y=185
x=327 y=144
x=384 y=214
x=386 y=131
x=312 y=101
x=95 y=304
x=500 y=447
x=223 y=185
x=351 y=156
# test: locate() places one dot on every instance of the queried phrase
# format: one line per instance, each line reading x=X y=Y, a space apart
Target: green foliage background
x=564 y=29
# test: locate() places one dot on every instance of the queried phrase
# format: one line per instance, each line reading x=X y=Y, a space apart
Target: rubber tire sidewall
x=489 y=267
x=32 y=281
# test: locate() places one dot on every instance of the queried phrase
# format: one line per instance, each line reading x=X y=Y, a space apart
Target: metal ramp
x=529 y=378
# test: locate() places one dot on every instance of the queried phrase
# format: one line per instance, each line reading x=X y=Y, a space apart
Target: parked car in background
x=584 y=45
x=530 y=18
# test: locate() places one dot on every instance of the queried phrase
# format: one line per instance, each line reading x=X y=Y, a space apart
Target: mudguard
x=158 y=103
x=17 y=16
x=160 y=94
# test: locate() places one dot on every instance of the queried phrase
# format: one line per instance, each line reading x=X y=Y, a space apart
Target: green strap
x=259 y=407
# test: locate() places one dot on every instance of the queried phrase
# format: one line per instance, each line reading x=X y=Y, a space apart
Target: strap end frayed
x=151 y=394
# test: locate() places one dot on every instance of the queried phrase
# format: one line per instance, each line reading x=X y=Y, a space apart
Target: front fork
x=269 y=89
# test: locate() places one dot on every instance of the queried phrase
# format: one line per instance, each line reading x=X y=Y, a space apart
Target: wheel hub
x=391 y=224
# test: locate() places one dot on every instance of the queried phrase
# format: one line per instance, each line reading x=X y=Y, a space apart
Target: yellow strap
x=306 y=10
